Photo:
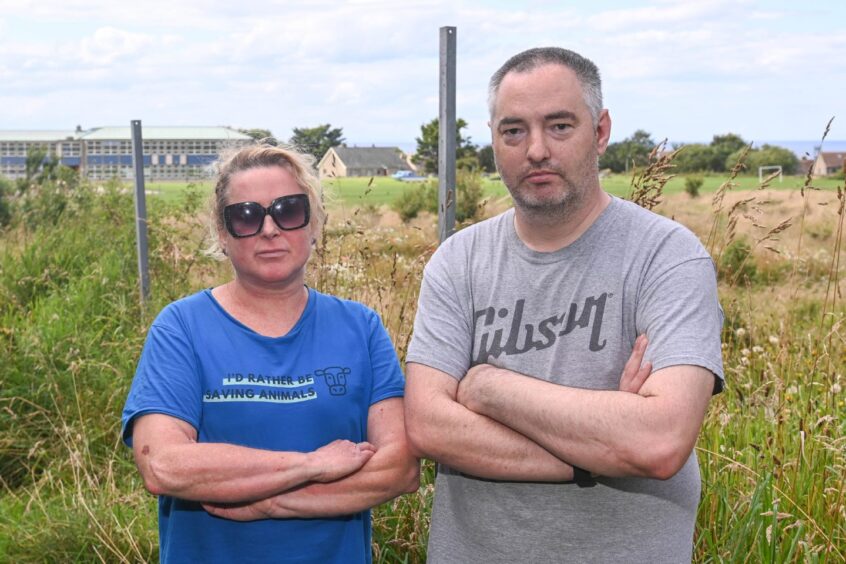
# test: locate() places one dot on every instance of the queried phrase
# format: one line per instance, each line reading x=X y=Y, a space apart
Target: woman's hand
x=331 y=462
x=339 y=458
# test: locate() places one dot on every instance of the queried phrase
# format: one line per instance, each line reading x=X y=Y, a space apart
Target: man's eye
x=561 y=126
x=511 y=131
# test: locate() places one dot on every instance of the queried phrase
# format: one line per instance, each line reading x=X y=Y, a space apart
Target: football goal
x=770 y=171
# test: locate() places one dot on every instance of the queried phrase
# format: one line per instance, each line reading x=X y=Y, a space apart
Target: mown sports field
x=379 y=190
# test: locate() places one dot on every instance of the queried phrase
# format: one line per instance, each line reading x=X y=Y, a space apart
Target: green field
x=378 y=191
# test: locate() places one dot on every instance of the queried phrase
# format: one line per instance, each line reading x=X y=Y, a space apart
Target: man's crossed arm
x=502 y=425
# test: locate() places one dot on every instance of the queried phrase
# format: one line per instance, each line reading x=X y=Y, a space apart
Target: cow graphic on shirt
x=336 y=379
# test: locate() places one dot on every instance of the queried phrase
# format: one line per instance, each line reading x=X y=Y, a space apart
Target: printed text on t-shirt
x=491 y=344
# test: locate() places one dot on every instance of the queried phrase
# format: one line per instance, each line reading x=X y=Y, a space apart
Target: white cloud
x=370 y=66
x=659 y=15
x=108 y=44
x=346 y=93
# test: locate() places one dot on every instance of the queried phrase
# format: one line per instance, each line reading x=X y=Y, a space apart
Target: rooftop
x=371 y=157
x=164 y=132
x=123 y=132
x=833 y=159
x=36 y=135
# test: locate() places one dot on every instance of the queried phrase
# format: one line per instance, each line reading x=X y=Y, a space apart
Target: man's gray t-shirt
x=570 y=317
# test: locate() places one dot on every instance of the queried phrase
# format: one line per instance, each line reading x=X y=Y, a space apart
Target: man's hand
x=340 y=458
x=635 y=372
x=634 y=375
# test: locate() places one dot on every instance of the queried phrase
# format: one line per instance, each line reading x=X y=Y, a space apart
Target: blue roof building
x=170 y=153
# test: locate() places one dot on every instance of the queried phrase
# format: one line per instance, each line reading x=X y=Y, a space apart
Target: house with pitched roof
x=362 y=161
x=805 y=165
x=828 y=163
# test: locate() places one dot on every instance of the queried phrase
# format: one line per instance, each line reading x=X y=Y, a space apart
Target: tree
x=723 y=146
x=257 y=134
x=630 y=152
x=486 y=159
x=317 y=140
x=36 y=157
x=427 y=147
x=767 y=155
x=695 y=157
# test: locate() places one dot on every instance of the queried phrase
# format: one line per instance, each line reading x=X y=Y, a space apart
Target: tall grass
x=772 y=450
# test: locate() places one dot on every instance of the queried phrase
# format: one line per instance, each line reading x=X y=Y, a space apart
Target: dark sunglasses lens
x=290 y=212
x=245 y=219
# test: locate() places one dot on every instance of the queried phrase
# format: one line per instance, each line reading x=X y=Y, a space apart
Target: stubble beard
x=556 y=208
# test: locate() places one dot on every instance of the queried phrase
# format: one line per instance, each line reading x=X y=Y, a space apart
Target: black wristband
x=583 y=478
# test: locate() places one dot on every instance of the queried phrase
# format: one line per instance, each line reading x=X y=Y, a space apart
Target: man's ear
x=603 y=132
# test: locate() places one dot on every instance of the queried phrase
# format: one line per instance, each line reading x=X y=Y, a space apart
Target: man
x=524 y=327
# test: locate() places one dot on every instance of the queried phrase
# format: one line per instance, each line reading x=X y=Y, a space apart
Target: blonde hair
x=264 y=154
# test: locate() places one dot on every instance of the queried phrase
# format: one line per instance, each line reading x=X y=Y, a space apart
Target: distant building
x=362 y=161
x=804 y=166
x=170 y=153
x=827 y=164
x=15 y=145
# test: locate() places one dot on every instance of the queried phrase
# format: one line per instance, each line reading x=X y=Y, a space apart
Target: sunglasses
x=246 y=219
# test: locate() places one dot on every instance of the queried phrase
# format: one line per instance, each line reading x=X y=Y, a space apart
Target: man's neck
x=546 y=234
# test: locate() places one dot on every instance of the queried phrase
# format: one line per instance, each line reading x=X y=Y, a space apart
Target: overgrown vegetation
x=468 y=201
x=772 y=450
x=692 y=185
x=5 y=205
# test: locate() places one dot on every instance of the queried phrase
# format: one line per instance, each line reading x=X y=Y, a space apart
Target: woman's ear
x=221 y=242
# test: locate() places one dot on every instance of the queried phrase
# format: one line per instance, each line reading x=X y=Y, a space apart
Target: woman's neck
x=271 y=312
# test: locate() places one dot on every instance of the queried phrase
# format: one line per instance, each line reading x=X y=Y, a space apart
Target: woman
x=265 y=415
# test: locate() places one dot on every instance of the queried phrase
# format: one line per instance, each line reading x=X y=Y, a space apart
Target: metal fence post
x=446 y=134
x=140 y=211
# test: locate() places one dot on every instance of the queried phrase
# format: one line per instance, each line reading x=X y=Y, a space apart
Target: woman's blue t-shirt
x=292 y=393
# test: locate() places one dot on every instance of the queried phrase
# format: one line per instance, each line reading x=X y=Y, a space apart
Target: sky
x=685 y=71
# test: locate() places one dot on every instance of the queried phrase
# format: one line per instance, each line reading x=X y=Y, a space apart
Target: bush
x=425 y=198
x=692 y=184
x=737 y=263
x=470 y=196
x=6 y=189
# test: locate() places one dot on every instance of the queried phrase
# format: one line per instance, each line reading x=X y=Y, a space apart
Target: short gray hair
x=586 y=71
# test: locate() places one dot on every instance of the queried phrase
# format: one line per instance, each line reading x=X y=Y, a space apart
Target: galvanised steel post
x=446 y=135
x=140 y=211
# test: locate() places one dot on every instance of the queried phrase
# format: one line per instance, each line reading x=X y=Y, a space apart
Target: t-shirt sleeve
x=388 y=381
x=443 y=336
x=679 y=311
x=166 y=380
